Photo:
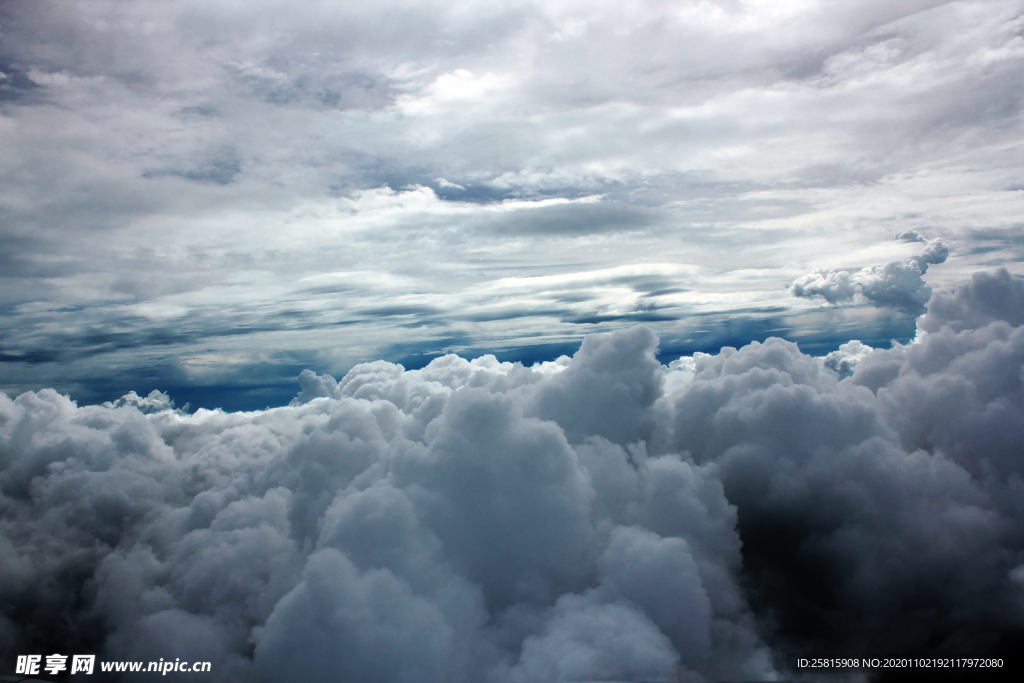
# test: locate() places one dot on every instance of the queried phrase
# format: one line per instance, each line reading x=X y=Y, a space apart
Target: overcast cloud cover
x=618 y=341
x=207 y=197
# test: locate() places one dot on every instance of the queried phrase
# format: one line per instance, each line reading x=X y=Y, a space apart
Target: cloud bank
x=600 y=517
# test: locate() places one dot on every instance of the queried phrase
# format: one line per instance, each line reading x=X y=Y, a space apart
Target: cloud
x=845 y=359
x=314 y=386
x=911 y=236
x=985 y=298
x=601 y=517
x=200 y=199
x=898 y=285
x=834 y=286
x=909 y=512
x=174 y=175
x=155 y=402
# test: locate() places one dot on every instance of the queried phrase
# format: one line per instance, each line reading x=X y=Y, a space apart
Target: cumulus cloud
x=985 y=298
x=313 y=386
x=834 y=286
x=469 y=521
x=845 y=359
x=898 y=285
x=155 y=402
x=601 y=517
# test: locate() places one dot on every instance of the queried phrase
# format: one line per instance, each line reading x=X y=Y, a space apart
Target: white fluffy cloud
x=898 y=285
x=602 y=517
x=844 y=359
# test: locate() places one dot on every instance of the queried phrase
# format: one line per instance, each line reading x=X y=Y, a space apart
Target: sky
x=511 y=342
x=206 y=198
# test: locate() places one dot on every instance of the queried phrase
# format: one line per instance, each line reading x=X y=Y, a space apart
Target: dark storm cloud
x=906 y=532
x=601 y=517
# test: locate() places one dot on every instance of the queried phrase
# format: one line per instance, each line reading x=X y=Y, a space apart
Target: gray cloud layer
x=200 y=194
x=603 y=517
